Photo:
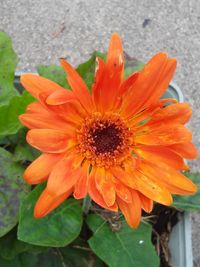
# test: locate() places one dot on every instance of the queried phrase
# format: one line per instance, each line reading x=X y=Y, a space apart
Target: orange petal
x=40 y=168
x=48 y=202
x=63 y=176
x=131 y=211
x=165 y=175
x=95 y=194
x=44 y=121
x=186 y=150
x=147 y=203
x=142 y=118
x=81 y=186
x=36 y=108
x=176 y=113
x=156 y=154
x=105 y=186
x=151 y=189
x=78 y=86
x=72 y=111
x=123 y=177
x=164 y=135
x=96 y=87
x=36 y=85
x=115 y=56
x=123 y=192
x=128 y=83
x=64 y=118
x=114 y=72
x=106 y=90
x=48 y=140
x=60 y=96
x=150 y=84
x=163 y=82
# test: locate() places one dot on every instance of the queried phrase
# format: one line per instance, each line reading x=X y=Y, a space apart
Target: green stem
x=86 y=204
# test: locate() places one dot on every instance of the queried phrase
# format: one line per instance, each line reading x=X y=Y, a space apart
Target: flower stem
x=86 y=204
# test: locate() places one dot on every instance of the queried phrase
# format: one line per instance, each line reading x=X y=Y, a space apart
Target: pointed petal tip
x=43 y=204
x=164 y=55
x=28 y=77
x=115 y=41
x=64 y=63
x=37 y=214
x=27 y=178
x=192 y=188
x=62 y=59
x=47 y=202
x=115 y=35
x=160 y=54
x=21 y=117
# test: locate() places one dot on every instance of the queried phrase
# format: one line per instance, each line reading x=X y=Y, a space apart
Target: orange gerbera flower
x=121 y=144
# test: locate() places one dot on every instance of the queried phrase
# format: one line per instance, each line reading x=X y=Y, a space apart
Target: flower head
x=121 y=144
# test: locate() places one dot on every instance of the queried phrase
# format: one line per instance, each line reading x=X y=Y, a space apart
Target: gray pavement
x=45 y=30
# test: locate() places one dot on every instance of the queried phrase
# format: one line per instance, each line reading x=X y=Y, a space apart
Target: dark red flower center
x=106 y=138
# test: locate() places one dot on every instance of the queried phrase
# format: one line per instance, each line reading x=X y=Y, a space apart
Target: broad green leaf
x=58 y=75
x=126 y=247
x=57 y=229
x=10 y=246
x=24 y=152
x=8 y=62
x=9 y=121
x=50 y=258
x=54 y=73
x=14 y=139
x=12 y=190
x=191 y=202
x=78 y=254
x=21 y=150
x=87 y=69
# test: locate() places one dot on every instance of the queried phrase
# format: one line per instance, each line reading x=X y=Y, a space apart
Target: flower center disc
x=104 y=140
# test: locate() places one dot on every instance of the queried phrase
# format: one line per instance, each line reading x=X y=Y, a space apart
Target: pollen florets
x=104 y=140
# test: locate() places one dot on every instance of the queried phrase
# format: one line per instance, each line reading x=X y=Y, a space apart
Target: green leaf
x=87 y=69
x=78 y=254
x=8 y=62
x=54 y=73
x=58 y=75
x=50 y=258
x=10 y=246
x=126 y=247
x=191 y=202
x=57 y=229
x=9 y=121
x=22 y=150
x=25 y=152
x=12 y=190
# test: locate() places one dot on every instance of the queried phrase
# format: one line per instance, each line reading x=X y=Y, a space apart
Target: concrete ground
x=43 y=31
